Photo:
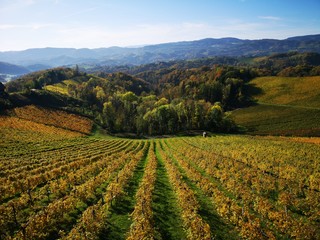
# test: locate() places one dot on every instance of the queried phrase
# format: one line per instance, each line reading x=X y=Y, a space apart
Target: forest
x=159 y=98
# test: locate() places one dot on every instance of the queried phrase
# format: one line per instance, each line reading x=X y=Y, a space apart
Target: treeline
x=224 y=84
x=38 y=80
x=149 y=115
x=180 y=100
x=292 y=64
x=180 y=64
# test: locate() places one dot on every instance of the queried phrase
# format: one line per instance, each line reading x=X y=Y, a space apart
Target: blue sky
x=104 y=23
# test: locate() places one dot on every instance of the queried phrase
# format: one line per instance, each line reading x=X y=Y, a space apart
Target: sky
x=104 y=23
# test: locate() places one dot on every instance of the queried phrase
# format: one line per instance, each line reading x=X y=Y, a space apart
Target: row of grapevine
x=55 y=118
x=13 y=150
x=251 y=188
x=291 y=194
x=69 y=181
x=248 y=225
x=32 y=179
x=57 y=188
x=142 y=226
x=94 y=219
x=19 y=130
x=195 y=226
x=19 y=166
x=46 y=222
x=290 y=160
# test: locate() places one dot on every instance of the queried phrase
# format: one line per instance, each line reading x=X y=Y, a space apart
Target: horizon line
x=153 y=44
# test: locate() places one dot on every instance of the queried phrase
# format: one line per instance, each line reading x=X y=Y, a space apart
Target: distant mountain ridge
x=8 y=68
x=52 y=57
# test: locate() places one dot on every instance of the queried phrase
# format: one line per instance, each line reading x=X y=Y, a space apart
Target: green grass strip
x=165 y=207
x=119 y=217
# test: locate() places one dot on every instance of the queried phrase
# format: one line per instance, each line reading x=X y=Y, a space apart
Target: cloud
x=273 y=18
x=34 y=26
x=16 y=5
x=81 y=12
x=8 y=26
x=29 y=2
x=37 y=26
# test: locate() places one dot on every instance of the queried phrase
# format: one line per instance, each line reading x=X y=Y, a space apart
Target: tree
x=4 y=98
x=160 y=102
x=166 y=118
x=214 y=117
x=76 y=71
x=109 y=115
x=2 y=88
x=100 y=94
x=161 y=120
x=130 y=103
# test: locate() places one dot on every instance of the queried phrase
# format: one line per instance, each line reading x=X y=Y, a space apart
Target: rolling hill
x=7 y=68
x=285 y=106
x=293 y=91
x=9 y=71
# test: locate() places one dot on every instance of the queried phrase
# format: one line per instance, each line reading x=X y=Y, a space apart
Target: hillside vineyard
x=65 y=186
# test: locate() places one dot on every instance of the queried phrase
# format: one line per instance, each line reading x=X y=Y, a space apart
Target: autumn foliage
x=55 y=118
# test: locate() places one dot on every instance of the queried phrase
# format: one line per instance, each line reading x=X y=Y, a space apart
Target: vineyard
x=71 y=186
x=286 y=106
x=55 y=118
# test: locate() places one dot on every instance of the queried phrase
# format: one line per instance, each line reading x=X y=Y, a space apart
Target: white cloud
x=29 y=2
x=7 y=26
x=37 y=26
x=34 y=26
x=81 y=12
x=273 y=18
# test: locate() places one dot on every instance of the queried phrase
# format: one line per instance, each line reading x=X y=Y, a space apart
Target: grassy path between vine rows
x=165 y=207
x=119 y=213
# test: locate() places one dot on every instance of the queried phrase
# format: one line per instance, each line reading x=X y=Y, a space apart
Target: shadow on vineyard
x=206 y=209
x=119 y=219
x=217 y=225
x=165 y=207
